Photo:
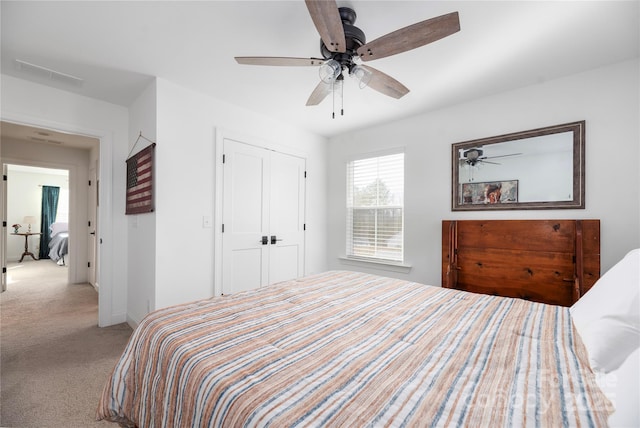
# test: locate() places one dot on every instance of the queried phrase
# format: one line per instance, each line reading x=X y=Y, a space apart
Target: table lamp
x=29 y=219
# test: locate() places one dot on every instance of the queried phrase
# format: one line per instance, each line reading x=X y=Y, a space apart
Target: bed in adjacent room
x=59 y=243
x=351 y=349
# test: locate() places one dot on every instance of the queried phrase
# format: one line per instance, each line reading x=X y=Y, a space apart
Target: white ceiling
x=116 y=47
x=48 y=137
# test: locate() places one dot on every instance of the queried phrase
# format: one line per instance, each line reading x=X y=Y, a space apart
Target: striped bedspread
x=353 y=350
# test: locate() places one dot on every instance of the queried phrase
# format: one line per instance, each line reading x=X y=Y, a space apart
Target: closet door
x=245 y=217
x=263 y=217
x=286 y=214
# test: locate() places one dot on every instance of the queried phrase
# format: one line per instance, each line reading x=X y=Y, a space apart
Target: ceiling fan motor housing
x=473 y=154
x=354 y=38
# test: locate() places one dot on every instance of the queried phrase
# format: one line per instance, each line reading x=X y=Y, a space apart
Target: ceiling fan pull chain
x=333 y=99
x=342 y=99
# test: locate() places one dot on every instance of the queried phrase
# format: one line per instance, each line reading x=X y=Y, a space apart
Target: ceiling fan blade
x=319 y=93
x=501 y=156
x=326 y=18
x=385 y=84
x=279 y=61
x=410 y=37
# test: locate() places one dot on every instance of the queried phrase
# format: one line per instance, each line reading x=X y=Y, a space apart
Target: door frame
x=220 y=135
x=3 y=233
x=105 y=249
x=93 y=230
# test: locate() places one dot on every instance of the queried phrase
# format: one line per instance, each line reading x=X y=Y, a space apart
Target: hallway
x=54 y=358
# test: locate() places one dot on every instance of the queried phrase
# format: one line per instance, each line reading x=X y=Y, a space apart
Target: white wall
x=141 y=228
x=24 y=197
x=185 y=155
x=33 y=104
x=607 y=98
x=186 y=122
x=180 y=268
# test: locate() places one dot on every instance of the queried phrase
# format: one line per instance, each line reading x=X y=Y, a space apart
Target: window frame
x=350 y=207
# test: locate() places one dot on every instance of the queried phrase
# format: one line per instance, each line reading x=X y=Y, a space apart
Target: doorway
x=37 y=215
x=31 y=147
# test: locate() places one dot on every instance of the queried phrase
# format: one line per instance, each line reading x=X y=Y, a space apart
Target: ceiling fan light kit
x=329 y=71
x=362 y=74
x=472 y=155
x=343 y=47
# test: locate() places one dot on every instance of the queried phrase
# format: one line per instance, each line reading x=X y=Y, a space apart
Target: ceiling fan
x=343 y=47
x=474 y=156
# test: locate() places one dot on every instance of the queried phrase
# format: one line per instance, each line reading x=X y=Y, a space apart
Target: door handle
x=92 y=233
x=273 y=239
x=265 y=240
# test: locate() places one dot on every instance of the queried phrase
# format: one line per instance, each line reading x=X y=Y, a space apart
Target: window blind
x=375 y=208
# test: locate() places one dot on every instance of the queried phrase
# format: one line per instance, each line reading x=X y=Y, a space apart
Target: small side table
x=26 y=244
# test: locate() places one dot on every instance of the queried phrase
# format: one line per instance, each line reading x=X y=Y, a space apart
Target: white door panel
x=3 y=235
x=245 y=217
x=93 y=225
x=285 y=262
x=286 y=259
x=243 y=278
x=263 y=196
x=247 y=178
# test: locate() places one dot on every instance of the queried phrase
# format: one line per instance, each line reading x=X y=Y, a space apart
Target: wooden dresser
x=548 y=261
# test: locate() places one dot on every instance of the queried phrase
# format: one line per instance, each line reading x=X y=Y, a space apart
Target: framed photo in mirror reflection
x=489 y=192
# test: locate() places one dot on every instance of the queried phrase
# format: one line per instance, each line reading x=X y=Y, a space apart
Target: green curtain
x=49 y=210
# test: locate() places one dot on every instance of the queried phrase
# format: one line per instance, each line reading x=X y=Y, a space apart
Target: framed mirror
x=537 y=169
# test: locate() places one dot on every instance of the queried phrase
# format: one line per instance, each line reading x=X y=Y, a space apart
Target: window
x=62 y=215
x=375 y=208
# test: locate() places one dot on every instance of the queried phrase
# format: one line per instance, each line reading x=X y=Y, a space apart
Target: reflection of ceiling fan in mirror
x=344 y=47
x=474 y=156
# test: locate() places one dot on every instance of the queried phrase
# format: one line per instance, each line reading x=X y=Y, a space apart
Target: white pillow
x=58 y=227
x=609 y=341
x=622 y=387
x=607 y=317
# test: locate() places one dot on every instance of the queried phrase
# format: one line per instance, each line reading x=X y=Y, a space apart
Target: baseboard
x=114 y=319
x=132 y=323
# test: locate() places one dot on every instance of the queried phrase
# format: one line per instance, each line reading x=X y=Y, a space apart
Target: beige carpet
x=54 y=359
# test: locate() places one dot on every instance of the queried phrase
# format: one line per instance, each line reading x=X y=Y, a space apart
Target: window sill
x=377 y=264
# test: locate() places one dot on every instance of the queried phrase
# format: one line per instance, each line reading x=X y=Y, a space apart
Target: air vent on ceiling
x=44 y=140
x=38 y=70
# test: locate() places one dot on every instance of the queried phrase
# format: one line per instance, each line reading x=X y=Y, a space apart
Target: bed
x=59 y=243
x=344 y=348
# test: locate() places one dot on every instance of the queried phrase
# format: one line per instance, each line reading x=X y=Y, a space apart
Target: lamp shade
x=329 y=71
x=29 y=219
x=362 y=74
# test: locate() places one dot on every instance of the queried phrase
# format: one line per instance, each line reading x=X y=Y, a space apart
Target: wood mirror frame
x=477 y=194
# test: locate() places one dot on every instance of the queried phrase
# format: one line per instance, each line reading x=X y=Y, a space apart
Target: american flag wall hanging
x=140 y=181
